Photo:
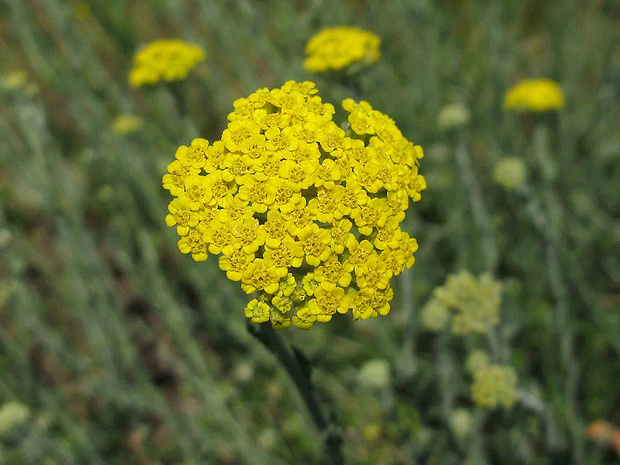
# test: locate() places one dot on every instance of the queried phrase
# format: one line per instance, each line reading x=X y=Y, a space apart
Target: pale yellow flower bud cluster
x=303 y=212
x=12 y=415
x=510 y=172
x=494 y=385
x=474 y=301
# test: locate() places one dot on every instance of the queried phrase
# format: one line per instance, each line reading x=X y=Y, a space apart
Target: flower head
x=435 y=315
x=302 y=212
x=375 y=375
x=12 y=415
x=333 y=49
x=476 y=360
x=476 y=301
x=14 y=80
x=164 y=60
x=126 y=124
x=460 y=422
x=453 y=116
x=494 y=385
x=536 y=95
x=510 y=172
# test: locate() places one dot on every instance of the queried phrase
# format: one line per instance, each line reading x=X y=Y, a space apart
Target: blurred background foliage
x=117 y=349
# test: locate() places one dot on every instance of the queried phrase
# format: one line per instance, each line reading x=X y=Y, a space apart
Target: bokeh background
x=117 y=349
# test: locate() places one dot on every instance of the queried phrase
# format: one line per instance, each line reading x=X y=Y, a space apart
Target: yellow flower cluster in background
x=126 y=124
x=303 y=212
x=510 y=173
x=164 y=60
x=18 y=81
x=12 y=415
x=333 y=49
x=14 y=80
x=476 y=360
x=475 y=301
x=494 y=385
x=453 y=116
x=460 y=423
x=536 y=95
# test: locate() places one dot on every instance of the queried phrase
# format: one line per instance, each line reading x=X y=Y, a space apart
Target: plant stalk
x=298 y=369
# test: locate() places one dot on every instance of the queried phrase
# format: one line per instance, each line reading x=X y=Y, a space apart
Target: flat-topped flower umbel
x=335 y=48
x=304 y=213
x=534 y=95
x=164 y=60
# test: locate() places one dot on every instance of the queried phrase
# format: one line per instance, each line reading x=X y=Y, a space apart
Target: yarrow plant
x=476 y=303
x=333 y=49
x=165 y=60
x=494 y=385
x=302 y=212
x=534 y=95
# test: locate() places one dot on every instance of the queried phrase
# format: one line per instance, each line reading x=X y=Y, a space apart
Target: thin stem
x=482 y=219
x=479 y=209
x=179 y=93
x=298 y=369
x=557 y=283
x=353 y=86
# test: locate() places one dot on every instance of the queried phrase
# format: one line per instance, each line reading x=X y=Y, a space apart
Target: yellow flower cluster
x=476 y=302
x=164 y=60
x=453 y=116
x=460 y=423
x=333 y=49
x=536 y=95
x=126 y=124
x=510 y=172
x=494 y=385
x=303 y=212
x=14 y=80
x=12 y=415
x=476 y=360
x=435 y=316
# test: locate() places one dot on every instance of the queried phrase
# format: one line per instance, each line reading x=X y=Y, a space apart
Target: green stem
x=179 y=94
x=479 y=209
x=297 y=368
x=352 y=84
x=557 y=283
x=482 y=219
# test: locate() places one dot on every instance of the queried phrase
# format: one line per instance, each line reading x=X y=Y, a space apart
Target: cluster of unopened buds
x=471 y=304
x=304 y=213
